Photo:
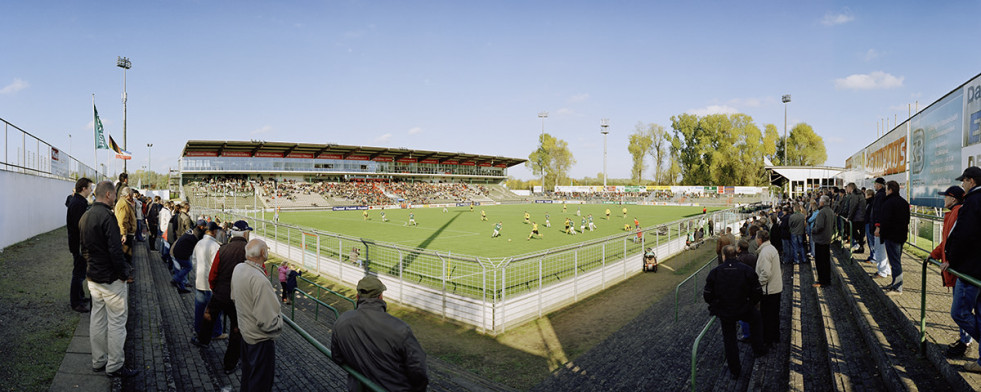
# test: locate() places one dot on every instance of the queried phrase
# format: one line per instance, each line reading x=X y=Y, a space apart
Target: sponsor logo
x=973 y=93
x=350 y=208
x=544 y=201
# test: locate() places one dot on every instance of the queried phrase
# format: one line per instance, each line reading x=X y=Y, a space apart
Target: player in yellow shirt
x=483 y=215
x=365 y=214
x=534 y=231
x=527 y=217
x=624 y=212
x=607 y=214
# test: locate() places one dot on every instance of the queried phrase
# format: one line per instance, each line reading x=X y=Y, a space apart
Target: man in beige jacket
x=771 y=279
x=126 y=218
x=259 y=317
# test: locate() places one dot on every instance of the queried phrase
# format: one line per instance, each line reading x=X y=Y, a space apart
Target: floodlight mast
x=605 y=126
x=124 y=63
x=786 y=100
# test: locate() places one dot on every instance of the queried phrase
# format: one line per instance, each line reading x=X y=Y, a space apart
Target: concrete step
x=810 y=367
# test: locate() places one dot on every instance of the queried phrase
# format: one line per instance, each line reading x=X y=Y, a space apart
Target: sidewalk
x=75 y=373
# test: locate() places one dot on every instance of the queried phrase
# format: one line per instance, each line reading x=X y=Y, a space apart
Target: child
x=291 y=283
x=284 y=270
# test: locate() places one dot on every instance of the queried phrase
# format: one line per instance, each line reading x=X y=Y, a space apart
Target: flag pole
x=95 y=141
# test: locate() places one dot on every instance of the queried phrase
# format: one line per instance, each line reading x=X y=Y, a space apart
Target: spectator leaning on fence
x=892 y=228
x=953 y=197
x=962 y=253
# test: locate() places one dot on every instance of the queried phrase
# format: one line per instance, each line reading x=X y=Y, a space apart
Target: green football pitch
x=461 y=231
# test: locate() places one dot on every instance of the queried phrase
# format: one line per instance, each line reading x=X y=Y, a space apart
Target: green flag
x=100 y=139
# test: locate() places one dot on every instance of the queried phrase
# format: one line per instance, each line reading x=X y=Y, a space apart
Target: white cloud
x=415 y=131
x=713 y=109
x=833 y=19
x=383 y=138
x=566 y=112
x=869 y=81
x=578 y=98
x=260 y=131
x=871 y=54
x=17 y=85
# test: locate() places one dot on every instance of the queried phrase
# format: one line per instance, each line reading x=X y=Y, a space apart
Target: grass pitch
x=460 y=230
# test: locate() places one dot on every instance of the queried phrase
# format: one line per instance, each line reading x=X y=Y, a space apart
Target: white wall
x=30 y=205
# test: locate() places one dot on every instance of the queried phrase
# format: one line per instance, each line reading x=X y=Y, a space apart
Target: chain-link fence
x=490 y=293
x=25 y=153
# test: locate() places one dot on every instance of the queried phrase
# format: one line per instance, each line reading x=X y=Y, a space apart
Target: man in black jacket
x=153 y=222
x=183 y=248
x=732 y=291
x=109 y=276
x=881 y=258
x=77 y=204
x=377 y=344
x=962 y=253
x=856 y=215
x=892 y=228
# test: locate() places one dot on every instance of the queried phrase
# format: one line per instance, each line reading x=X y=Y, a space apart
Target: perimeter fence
x=28 y=154
x=487 y=292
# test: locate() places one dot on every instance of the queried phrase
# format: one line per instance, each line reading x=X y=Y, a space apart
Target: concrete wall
x=30 y=205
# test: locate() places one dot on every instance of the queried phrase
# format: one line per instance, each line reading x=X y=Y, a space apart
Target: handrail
x=319 y=287
x=326 y=351
x=678 y=287
x=316 y=311
x=923 y=292
x=694 y=350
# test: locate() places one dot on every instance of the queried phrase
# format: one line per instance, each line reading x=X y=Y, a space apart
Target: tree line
x=714 y=149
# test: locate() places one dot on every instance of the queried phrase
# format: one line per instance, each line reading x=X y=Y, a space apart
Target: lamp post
x=605 y=126
x=786 y=100
x=541 y=155
x=148 y=163
x=123 y=62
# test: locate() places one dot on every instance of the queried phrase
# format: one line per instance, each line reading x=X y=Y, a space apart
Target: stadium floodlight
x=124 y=63
x=541 y=156
x=148 y=162
x=786 y=100
x=605 y=126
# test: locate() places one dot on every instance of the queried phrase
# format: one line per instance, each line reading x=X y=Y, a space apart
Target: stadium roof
x=262 y=149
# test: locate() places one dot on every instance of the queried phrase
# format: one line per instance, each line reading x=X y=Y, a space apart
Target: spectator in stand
x=953 y=197
x=748 y=258
x=881 y=257
x=856 y=215
x=259 y=318
x=725 y=239
x=869 y=233
x=377 y=344
x=138 y=209
x=164 y=227
x=182 y=252
x=963 y=256
x=892 y=229
x=812 y=213
x=771 y=280
x=153 y=222
x=732 y=291
x=788 y=250
x=184 y=222
x=797 y=223
x=220 y=278
x=824 y=225
x=77 y=205
x=284 y=271
x=204 y=253
x=109 y=275
x=126 y=220
x=122 y=183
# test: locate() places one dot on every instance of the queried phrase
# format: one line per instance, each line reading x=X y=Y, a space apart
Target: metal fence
x=25 y=153
x=489 y=293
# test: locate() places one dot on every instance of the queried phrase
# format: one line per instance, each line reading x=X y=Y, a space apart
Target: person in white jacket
x=164 y=221
x=771 y=279
x=204 y=253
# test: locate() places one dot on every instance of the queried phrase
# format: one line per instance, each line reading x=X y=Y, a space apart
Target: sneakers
x=956 y=349
x=124 y=372
x=894 y=291
x=972 y=367
x=220 y=337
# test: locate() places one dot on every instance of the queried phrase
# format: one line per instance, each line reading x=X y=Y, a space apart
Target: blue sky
x=471 y=76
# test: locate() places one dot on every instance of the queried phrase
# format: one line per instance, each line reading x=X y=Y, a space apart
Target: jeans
x=894 y=254
x=964 y=309
x=212 y=312
x=107 y=328
x=797 y=244
x=810 y=239
x=75 y=293
x=165 y=251
x=181 y=275
x=744 y=330
x=870 y=240
x=139 y=229
x=788 y=252
x=201 y=299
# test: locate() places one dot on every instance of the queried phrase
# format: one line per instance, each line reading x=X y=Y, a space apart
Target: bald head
x=105 y=192
x=257 y=251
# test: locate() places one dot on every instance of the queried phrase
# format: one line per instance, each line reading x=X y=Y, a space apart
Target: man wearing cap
x=892 y=228
x=204 y=252
x=377 y=344
x=108 y=277
x=963 y=256
x=881 y=258
x=259 y=317
x=220 y=279
x=952 y=201
x=182 y=252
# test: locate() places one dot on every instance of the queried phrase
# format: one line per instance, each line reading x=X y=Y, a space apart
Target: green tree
x=639 y=146
x=805 y=148
x=660 y=148
x=771 y=138
x=690 y=146
x=553 y=157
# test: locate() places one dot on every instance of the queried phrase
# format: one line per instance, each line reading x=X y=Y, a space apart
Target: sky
x=471 y=77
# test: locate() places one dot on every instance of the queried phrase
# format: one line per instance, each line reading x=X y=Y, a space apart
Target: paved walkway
x=158 y=344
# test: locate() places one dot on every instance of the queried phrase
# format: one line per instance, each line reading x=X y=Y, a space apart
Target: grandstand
x=297 y=175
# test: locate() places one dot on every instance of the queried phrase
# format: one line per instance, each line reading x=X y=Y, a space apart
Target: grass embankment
x=36 y=323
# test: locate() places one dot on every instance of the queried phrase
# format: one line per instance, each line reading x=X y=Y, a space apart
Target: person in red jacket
x=953 y=197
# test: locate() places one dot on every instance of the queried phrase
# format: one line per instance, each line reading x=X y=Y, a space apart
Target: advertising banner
x=888 y=154
x=350 y=208
x=935 y=149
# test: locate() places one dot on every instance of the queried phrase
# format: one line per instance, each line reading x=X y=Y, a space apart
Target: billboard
x=935 y=149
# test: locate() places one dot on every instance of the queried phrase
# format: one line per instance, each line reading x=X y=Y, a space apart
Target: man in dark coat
x=824 y=225
x=892 y=229
x=77 y=205
x=856 y=215
x=377 y=344
x=962 y=253
x=732 y=291
x=881 y=258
